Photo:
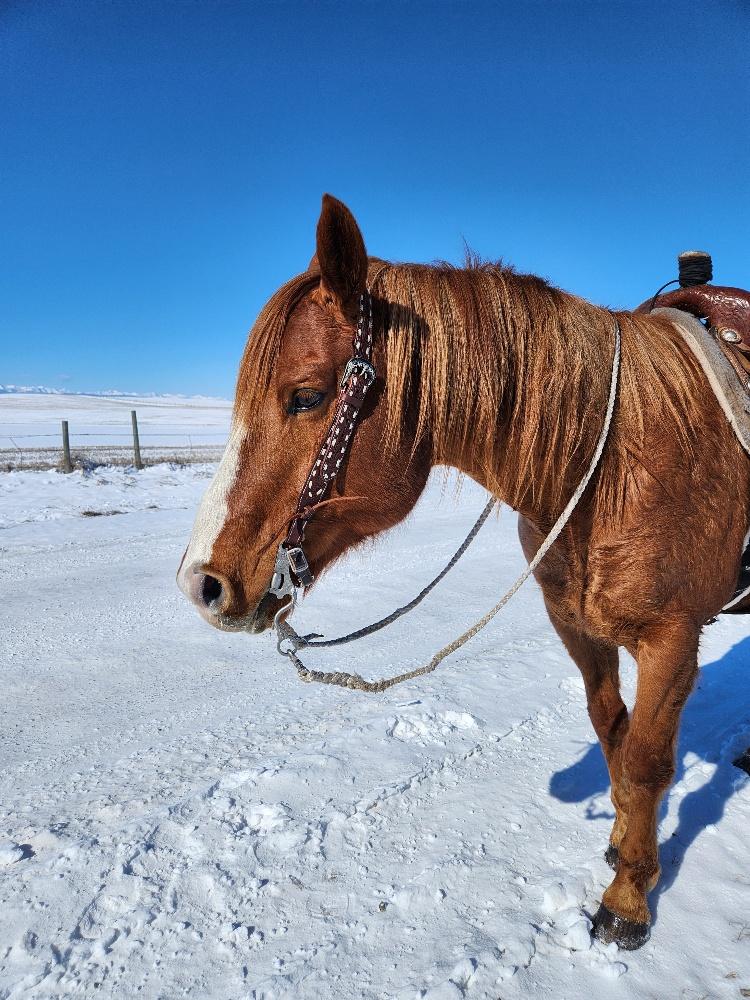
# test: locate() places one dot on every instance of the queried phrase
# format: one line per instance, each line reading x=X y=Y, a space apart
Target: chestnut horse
x=504 y=378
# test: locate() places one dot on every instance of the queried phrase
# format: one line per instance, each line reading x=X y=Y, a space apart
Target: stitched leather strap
x=358 y=377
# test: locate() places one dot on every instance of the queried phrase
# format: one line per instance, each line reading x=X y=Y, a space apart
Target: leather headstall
x=359 y=375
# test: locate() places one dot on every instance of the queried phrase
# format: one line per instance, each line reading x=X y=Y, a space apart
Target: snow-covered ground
x=180 y=816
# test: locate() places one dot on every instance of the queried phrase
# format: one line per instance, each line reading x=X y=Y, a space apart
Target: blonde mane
x=486 y=359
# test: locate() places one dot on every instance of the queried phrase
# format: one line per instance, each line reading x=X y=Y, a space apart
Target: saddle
x=726 y=310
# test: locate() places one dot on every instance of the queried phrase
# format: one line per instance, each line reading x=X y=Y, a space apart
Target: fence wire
x=17 y=452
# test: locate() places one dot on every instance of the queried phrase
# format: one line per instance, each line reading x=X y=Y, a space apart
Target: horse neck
x=514 y=394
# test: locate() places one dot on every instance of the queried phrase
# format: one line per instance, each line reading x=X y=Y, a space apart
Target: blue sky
x=162 y=163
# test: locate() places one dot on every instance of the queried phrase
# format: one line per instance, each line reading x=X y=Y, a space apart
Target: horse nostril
x=211 y=591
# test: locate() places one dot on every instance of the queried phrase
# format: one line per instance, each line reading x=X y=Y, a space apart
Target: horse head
x=286 y=393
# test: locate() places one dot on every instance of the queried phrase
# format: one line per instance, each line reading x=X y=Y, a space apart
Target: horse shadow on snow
x=715 y=729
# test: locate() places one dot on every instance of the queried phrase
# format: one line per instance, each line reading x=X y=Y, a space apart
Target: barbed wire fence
x=74 y=449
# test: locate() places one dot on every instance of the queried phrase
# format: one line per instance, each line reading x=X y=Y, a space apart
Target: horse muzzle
x=214 y=598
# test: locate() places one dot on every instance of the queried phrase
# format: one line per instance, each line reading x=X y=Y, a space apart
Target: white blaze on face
x=213 y=510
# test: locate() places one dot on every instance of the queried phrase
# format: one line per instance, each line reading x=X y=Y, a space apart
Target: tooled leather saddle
x=726 y=310
x=726 y=313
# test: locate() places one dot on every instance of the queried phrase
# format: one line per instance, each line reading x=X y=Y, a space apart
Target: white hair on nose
x=213 y=510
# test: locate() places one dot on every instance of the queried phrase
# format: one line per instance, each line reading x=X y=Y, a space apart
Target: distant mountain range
x=44 y=390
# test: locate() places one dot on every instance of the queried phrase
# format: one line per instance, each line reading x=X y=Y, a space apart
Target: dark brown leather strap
x=359 y=375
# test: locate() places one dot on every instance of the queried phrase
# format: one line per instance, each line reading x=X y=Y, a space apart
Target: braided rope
x=287 y=632
x=358 y=683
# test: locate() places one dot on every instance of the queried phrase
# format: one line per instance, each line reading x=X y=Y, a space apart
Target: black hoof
x=612 y=857
x=628 y=934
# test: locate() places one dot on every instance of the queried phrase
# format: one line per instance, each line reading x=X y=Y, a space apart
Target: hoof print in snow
x=612 y=857
x=627 y=934
x=10 y=852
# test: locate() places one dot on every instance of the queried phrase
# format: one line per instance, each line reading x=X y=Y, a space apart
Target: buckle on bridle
x=356 y=366
x=298 y=565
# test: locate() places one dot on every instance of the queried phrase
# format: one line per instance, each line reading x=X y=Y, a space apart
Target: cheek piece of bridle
x=292 y=569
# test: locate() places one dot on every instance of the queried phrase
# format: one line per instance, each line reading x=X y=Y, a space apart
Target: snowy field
x=180 y=816
x=100 y=427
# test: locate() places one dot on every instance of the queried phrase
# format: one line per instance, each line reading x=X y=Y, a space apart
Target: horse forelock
x=264 y=346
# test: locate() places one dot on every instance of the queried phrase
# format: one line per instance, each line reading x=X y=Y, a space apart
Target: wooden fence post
x=136 y=441
x=67 y=464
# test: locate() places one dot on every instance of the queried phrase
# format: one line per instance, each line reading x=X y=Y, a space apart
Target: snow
x=33 y=497
x=180 y=816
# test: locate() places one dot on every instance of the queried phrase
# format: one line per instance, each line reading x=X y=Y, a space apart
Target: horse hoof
x=612 y=857
x=627 y=934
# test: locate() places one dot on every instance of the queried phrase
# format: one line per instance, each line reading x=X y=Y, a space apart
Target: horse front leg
x=667 y=665
x=599 y=666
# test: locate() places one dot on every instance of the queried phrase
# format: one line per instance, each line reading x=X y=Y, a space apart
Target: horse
x=504 y=378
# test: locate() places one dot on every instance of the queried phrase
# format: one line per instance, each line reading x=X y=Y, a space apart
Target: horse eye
x=305 y=399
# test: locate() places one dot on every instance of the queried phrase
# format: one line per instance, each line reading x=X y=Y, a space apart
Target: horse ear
x=341 y=253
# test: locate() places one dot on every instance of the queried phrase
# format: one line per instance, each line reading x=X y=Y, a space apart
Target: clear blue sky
x=162 y=163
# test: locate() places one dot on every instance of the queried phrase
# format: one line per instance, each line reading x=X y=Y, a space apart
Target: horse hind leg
x=667 y=665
